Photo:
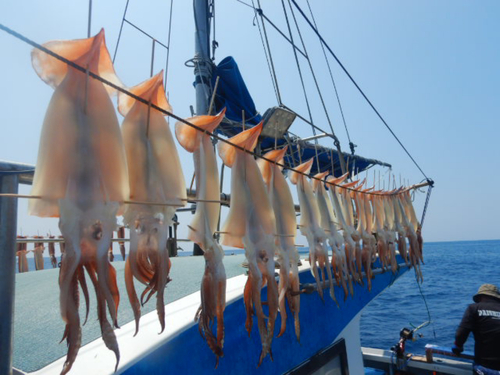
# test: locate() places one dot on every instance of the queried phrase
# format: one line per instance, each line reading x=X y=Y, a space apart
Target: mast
x=202 y=63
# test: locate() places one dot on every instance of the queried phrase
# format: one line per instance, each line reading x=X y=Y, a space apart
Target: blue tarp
x=233 y=94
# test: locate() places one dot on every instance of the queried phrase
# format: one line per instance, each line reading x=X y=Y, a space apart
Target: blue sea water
x=453 y=272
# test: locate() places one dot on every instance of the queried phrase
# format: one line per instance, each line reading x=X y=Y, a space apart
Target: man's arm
x=463 y=330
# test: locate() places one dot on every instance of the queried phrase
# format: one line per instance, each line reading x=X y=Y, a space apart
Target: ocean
x=453 y=272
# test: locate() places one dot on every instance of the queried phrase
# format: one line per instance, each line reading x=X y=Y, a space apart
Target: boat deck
x=38 y=326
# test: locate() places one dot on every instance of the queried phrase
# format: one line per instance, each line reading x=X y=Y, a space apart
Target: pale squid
x=311 y=229
x=347 y=241
x=334 y=238
x=156 y=186
x=286 y=230
x=204 y=224
x=250 y=225
x=81 y=177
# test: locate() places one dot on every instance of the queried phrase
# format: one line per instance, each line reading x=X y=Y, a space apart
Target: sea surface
x=453 y=272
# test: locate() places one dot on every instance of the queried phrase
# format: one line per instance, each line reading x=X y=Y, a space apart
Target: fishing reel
x=399 y=349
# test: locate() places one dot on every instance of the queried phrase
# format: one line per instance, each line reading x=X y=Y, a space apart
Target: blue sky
x=430 y=67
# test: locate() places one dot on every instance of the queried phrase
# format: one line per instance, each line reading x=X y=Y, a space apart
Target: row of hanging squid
x=89 y=171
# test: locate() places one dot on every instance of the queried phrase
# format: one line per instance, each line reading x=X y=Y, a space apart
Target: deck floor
x=38 y=326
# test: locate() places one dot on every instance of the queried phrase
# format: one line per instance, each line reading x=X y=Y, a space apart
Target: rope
x=161 y=110
x=359 y=89
x=351 y=145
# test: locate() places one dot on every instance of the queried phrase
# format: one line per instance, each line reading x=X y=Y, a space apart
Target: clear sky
x=430 y=67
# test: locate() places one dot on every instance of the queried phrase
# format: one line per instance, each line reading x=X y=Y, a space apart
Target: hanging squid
x=204 y=224
x=335 y=239
x=311 y=229
x=155 y=176
x=250 y=225
x=286 y=228
x=81 y=177
x=346 y=244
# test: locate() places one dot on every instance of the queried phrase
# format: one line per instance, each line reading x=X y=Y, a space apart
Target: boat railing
x=430 y=350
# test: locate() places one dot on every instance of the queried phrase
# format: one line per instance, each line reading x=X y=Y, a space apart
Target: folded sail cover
x=232 y=93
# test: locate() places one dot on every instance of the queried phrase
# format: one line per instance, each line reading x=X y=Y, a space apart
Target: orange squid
x=286 y=228
x=204 y=224
x=250 y=225
x=155 y=175
x=81 y=177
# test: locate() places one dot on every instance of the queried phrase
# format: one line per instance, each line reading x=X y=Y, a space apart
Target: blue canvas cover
x=233 y=94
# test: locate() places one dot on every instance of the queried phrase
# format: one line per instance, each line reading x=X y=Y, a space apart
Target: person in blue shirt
x=482 y=318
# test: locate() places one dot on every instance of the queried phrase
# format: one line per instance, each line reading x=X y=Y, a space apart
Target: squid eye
x=97 y=231
x=154 y=230
x=139 y=229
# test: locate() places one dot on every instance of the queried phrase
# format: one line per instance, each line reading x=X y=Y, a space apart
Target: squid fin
x=304 y=168
x=151 y=90
x=188 y=136
x=338 y=180
x=82 y=51
x=264 y=165
x=246 y=139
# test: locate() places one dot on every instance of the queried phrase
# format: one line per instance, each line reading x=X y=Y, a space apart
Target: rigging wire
x=426 y=307
x=161 y=110
x=351 y=145
x=336 y=140
x=270 y=61
x=121 y=29
x=429 y=191
x=302 y=82
x=357 y=86
x=168 y=40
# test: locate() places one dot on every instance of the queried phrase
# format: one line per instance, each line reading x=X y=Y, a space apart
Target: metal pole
x=8 y=229
x=202 y=64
